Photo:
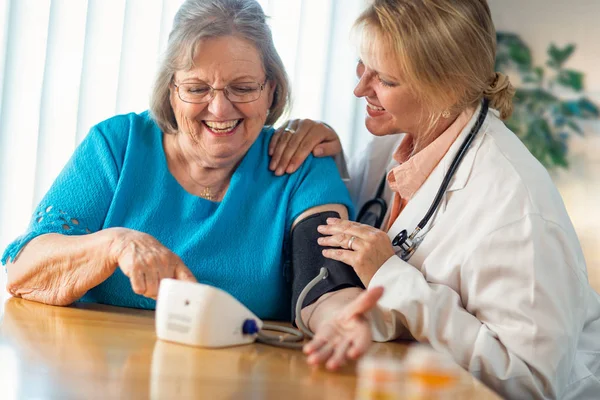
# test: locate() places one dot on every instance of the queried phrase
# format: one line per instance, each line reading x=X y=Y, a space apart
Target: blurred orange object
x=422 y=374
x=379 y=378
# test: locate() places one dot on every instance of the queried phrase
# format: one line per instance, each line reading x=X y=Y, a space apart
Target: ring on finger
x=350 y=242
x=290 y=130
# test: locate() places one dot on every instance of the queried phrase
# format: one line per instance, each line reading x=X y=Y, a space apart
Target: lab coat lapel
x=464 y=171
x=418 y=206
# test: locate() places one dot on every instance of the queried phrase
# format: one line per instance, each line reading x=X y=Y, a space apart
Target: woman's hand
x=145 y=261
x=295 y=140
x=361 y=246
x=346 y=336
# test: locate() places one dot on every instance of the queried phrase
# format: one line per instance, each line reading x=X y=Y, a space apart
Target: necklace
x=206 y=193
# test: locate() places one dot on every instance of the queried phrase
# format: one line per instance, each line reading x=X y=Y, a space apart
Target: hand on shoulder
x=296 y=139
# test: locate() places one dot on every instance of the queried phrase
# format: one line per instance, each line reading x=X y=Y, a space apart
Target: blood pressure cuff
x=307 y=260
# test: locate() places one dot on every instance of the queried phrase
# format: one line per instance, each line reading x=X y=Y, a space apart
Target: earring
x=446 y=114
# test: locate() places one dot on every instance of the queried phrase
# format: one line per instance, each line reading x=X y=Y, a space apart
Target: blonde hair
x=445 y=52
x=197 y=20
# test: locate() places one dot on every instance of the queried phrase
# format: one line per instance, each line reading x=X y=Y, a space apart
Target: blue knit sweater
x=118 y=177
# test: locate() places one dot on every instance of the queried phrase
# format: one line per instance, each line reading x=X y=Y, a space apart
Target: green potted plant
x=548 y=102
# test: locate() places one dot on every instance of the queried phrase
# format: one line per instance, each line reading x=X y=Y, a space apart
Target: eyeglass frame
x=223 y=89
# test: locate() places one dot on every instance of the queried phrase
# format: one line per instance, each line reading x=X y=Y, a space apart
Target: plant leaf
x=511 y=50
x=521 y=55
x=549 y=147
x=575 y=127
x=570 y=108
x=559 y=56
x=571 y=79
x=515 y=127
x=502 y=62
x=589 y=109
x=539 y=71
x=558 y=154
x=536 y=96
x=543 y=121
x=582 y=108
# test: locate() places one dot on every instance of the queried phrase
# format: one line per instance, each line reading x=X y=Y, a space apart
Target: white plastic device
x=202 y=315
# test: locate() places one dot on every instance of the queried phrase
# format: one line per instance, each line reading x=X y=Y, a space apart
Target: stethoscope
x=366 y=216
x=408 y=243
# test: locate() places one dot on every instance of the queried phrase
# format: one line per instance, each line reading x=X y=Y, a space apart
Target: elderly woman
x=476 y=255
x=184 y=191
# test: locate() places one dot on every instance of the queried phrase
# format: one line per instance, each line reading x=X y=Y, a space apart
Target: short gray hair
x=201 y=19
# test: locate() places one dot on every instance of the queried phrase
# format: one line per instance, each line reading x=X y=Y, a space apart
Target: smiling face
x=220 y=131
x=392 y=107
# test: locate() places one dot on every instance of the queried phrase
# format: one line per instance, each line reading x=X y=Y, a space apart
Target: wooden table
x=90 y=351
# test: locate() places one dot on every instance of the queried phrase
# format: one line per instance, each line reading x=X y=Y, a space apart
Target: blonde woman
x=476 y=253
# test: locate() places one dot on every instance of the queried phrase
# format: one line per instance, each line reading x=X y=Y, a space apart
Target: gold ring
x=290 y=130
x=350 y=242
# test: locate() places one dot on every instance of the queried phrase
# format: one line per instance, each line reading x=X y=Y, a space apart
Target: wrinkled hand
x=145 y=261
x=289 y=149
x=370 y=248
x=345 y=337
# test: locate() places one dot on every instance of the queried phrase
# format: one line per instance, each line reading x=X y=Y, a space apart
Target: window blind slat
x=101 y=63
x=60 y=93
x=19 y=117
x=139 y=54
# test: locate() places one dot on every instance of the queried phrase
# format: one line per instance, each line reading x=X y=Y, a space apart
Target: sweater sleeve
x=78 y=201
x=515 y=322
x=317 y=182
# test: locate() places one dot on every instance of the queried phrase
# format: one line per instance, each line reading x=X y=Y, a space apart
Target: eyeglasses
x=238 y=92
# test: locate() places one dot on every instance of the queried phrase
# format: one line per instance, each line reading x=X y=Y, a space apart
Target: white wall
x=539 y=23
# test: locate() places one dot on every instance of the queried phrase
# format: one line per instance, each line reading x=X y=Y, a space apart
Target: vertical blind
x=66 y=65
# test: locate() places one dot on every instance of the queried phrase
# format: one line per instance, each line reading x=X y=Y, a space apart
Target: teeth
x=222 y=126
x=375 y=108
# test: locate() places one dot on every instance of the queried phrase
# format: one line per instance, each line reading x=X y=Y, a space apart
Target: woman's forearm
x=58 y=269
x=328 y=306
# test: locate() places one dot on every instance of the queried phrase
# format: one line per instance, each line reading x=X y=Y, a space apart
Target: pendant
x=205 y=194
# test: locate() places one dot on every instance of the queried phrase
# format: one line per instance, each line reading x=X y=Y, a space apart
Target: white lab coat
x=500 y=281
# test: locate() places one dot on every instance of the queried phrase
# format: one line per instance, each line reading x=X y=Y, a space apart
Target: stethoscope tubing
x=401 y=238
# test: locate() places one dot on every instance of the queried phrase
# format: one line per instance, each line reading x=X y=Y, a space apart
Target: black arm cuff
x=307 y=260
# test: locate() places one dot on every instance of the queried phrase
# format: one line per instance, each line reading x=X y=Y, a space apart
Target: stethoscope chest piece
x=407 y=244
